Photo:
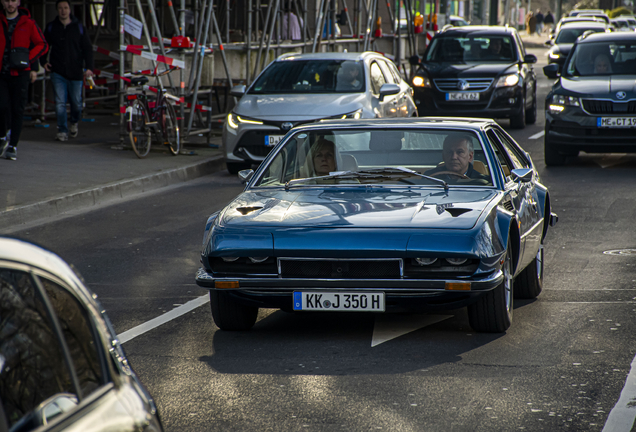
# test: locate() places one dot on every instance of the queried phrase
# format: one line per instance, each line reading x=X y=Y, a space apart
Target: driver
x=458 y=155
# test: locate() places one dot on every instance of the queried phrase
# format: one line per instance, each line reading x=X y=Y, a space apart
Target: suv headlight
x=234 y=120
x=554 y=54
x=420 y=81
x=559 y=102
x=508 y=80
x=352 y=115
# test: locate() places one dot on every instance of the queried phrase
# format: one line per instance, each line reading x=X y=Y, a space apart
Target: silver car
x=303 y=88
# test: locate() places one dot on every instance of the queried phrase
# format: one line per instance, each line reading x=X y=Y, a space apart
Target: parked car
x=564 y=40
x=378 y=216
x=592 y=104
x=477 y=71
x=61 y=366
x=304 y=88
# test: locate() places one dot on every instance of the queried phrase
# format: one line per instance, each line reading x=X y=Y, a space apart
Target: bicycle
x=146 y=117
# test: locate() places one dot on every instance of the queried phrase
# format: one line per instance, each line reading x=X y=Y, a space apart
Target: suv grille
x=341 y=269
x=474 y=84
x=594 y=106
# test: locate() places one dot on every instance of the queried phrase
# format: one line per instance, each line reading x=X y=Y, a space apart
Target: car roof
x=584 y=24
x=608 y=37
x=460 y=31
x=356 y=56
x=421 y=122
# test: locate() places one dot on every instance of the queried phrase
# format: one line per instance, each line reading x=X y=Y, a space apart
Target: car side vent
x=247 y=210
x=508 y=206
x=457 y=211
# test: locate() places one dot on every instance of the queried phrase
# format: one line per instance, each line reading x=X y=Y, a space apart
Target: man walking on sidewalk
x=548 y=21
x=71 y=52
x=539 y=17
x=21 y=44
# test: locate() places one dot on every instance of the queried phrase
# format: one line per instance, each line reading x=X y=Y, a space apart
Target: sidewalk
x=51 y=178
x=534 y=40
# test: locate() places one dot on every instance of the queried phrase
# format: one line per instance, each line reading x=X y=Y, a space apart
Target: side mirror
x=245 y=175
x=530 y=58
x=238 y=90
x=523 y=175
x=549 y=42
x=388 y=89
x=551 y=70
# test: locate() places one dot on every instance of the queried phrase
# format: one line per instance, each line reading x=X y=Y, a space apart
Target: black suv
x=592 y=105
x=477 y=71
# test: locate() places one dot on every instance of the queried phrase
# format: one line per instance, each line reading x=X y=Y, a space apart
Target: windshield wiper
x=368 y=174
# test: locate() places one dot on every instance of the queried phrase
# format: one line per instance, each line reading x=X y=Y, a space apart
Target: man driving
x=457 y=153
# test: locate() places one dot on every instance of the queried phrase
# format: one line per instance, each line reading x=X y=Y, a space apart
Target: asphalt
x=51 y=178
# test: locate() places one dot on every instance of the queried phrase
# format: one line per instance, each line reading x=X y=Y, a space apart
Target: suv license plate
x=272 y=140
x=341 y=301
x=616 y=122
x=462 y=96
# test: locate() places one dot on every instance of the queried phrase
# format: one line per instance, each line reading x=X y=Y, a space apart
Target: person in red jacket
x=21 y=44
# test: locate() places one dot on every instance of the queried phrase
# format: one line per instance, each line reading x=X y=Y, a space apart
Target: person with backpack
x=70 y=59
x=21 y=44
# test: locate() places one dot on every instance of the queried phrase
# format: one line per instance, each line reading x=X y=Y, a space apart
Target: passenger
x=348 y=77
x=458 y=156
x=602 y=64
x=323 y=158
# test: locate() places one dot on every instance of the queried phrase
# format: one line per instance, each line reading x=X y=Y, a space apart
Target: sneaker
x=73 y=130
x=11 y=153
x=4 y=145
x=61 y=136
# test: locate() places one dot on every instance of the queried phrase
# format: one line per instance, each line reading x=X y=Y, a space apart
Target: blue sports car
x=387 y=215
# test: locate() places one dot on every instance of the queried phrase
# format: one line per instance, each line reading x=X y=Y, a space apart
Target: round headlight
x=456 y=261
x=257 y=260
x=230 y=259
x=425 y=261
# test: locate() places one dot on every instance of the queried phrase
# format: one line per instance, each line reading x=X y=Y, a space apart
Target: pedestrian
x=291 y=25
x=71 y=59
x=548 y=21
x=539 y=17
x=22 y=43
x=532 y=24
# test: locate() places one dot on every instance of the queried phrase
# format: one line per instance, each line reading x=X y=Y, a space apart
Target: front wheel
x=228 y=314
x=171 y=129
x=551 y=154
x=140 y=135
x=531 y=115
x=492 y=313
x=530 y=281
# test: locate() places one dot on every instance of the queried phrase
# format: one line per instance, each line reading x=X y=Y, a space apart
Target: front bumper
x=492 y=103
x=400 y=294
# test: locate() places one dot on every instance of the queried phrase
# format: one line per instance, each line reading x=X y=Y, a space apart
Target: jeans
x=72 y=88
x=13 y=99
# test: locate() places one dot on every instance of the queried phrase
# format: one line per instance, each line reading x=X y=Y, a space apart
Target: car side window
x=32 y=364
x=518 y=160
x=79 y=334
x=377 y=78
x=396 y=73
x=387 y=72
x=502 y=156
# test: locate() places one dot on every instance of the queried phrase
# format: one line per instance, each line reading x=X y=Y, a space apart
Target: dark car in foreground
x=61 y=366
x=382 y=216
x=477 y=71
x=592 y=104
x=562 y=44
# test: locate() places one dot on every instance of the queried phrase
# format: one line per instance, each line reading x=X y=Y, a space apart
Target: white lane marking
x=621 y=418
x=162 y=319
x=389 y=327
x=537 y=135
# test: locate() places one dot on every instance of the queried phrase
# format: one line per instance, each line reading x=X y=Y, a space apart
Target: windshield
x=602 y=58
x=569 y=35
x=472 y=49
x=311 y=76
x=379 y=156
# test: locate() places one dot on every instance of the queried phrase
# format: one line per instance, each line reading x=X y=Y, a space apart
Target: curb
x=108 y=193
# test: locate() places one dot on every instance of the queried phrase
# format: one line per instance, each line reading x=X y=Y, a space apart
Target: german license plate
x=341 y=301
x=272 y=140
x=462 y=96
x=616 y=122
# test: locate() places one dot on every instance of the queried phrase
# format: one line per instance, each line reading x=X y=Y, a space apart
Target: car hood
x=298 y=106
x=448 y=70
x=358 y=208
x=600 y=86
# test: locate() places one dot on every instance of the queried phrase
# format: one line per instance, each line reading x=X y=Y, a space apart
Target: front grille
x=594 y=106
x=474 y=84
x=341 y=269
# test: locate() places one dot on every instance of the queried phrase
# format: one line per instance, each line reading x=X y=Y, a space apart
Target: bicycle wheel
x=171 y=128
x=140 y=135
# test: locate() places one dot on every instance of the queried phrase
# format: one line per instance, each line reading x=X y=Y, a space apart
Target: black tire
x=531 y=115
x=492 y=313
x=233 y=167
x=529 y=283
x=171 y=129
x=518 y=120
x=140 y=136
x=230 y=315
x=551 y=154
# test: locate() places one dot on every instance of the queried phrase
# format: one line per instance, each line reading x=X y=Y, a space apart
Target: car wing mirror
x=551 y=70
x=549 y=42
x=238 y=90
x=245 y=175
x=530 y=58
x=523 y=175
x=388 y=89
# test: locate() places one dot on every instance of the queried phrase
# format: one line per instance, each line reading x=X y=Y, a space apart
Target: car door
x=401 y=97
x=386 y=107
x=522 y=196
